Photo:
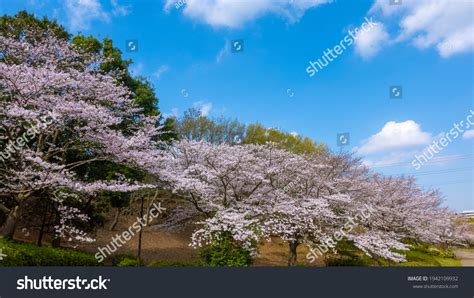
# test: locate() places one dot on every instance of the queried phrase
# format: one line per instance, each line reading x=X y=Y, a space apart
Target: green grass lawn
x=426 y=255
x=417 y=258
x=420 y=255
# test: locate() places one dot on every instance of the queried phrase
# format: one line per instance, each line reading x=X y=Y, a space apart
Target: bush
x=448 y=253
x=174 y=264
x=125 y=261
x=348 y=261
x=434 y=251
x=21 y=254
x=225 y=252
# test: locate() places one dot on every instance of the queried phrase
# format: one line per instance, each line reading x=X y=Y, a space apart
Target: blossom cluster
x=40 y=75
x=256 y=192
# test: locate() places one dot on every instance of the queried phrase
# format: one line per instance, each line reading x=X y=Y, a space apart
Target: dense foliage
x=196 y=127
x=62 y=116
x=226 y=252
x=19 y=254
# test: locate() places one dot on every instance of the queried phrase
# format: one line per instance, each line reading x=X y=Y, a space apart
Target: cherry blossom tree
x=230 y=186
x=223 y=183
x=85 y=116
x=316 y=196
x=256 y=192
x=403 y=211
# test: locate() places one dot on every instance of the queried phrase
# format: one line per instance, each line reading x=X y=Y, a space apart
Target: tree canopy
x=194 y=126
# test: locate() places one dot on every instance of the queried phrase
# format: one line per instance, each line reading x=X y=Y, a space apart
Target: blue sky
x=424 y=46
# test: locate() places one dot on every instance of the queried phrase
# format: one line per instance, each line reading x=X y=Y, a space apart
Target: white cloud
x=119 y=10
x=468 y=134
x=402 y=160
x=234 y=14
x=38 y=3
x=395 y=135
x=163 y=69
x=399 y=159
x=368 y=43
x=203 y=107
x=445 y=24
x=174 y=113
x=81 y=13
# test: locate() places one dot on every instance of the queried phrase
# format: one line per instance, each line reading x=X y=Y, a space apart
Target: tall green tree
x=194 y=126
x=143 y=94
x=258 y=134
x=16 y=25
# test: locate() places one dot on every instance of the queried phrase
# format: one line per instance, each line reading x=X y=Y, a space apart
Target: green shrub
x=448 y=253
x=226 y=252
x=348 y=261
x=125 y=261
x=174 y=264
x=21 y=254
x=347 y=248
x=435 y=251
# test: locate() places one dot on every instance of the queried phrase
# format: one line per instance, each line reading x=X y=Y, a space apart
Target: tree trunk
x=139 y=254
x=116 y=218
x=56 y=242
x=41 y=232
x=8 y=229
x=292 y=258
x=4 y=211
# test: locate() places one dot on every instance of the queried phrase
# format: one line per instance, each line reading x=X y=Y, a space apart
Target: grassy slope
x=420 y=255
x=417 y=257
